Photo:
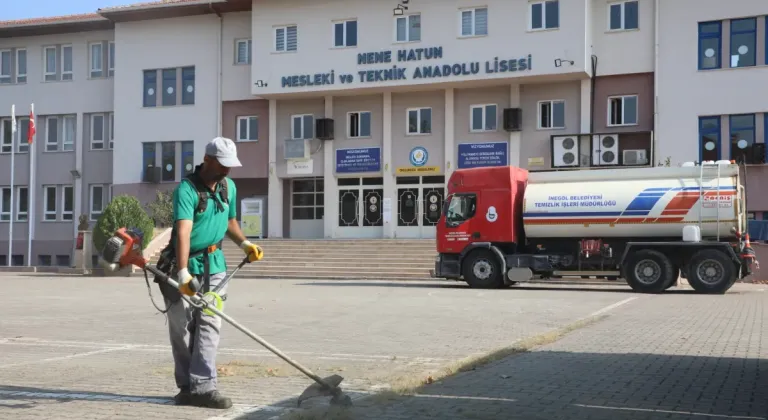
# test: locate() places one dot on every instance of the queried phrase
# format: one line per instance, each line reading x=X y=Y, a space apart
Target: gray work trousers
x=194 y=343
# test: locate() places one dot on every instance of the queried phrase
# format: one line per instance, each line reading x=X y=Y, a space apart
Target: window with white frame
x=474 y=22
x=358 y=124
x=50 y=199
x=551 y=114
x=51 y=134
x=544 y=15
x=6 y=135
x=69 y=131
x=5 y=204
x=111 y=130
x=51 y=67
x=111 y=59
x=22 y=204
x=21 y=65
x=98 y=199
x=67 y=202
x=22 y=145
x=97 y=59
x=98 y=125
x=483 y=118
x=243 y=51
x=303 y=126
x=622 y=110
x=248 y=128
x=345 y=33
x=419 y=121
x=286 y=38
x=6 y=67
x=408 y=28
x=58 y=63
x=622 y=15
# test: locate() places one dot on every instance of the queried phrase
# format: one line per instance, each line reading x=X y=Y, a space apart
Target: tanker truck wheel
x=648 y=271
x=711 y=271
x=481 y=270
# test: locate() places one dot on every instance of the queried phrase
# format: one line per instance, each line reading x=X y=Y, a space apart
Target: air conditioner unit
x=295 y=149
x=565 y=151
x=605 y=149
x=634 y=157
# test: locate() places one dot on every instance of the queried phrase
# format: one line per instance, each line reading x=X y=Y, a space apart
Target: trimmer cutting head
x=332 y=389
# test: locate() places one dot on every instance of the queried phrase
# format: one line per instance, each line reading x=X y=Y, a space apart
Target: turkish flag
x=31 y=131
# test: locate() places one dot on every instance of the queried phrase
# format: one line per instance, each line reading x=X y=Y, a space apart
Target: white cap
x=224 y=150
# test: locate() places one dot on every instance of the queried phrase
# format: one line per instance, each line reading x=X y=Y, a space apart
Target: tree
x=122 y=212
x=162 y=209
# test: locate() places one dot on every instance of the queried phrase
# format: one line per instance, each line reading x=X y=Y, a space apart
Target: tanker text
x=560 y=201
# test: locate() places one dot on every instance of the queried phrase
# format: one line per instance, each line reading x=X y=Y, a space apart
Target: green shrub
x=123 y=211
x=161 y=209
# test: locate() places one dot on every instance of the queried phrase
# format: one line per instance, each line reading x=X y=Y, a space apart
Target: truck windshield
x=460 y=208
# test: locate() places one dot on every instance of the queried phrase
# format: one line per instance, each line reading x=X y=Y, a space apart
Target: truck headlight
x=437 y=258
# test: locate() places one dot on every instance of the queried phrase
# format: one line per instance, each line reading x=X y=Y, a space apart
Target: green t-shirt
x=208 y=228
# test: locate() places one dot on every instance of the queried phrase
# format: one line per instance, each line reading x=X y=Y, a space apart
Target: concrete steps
x=337 y=259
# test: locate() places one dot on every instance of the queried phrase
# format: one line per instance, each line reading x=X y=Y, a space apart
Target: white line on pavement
x=83 y=395
x=612 y=307
x=60 y=358
x=688 y=413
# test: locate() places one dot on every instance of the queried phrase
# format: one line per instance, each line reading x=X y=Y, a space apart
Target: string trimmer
x=124 y=249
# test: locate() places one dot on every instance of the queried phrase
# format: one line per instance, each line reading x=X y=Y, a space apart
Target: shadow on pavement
x=28 y=397
x=563 y=385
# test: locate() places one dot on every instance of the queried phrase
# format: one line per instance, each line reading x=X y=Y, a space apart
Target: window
x=5 y=204
x=69 y=132
x=67 y=202
x=419 y=121
x=622 y=110
x=97 y=131
x=545 y=15
x=97 y=59
x=168 y=160
x=149 y=158
x=111 y=60
x=98 y=200
x=150 y=88
x=22 y=203
x=551 y=114
x=359 y=124
x=187 y=157
x=169 y=87
x=22 y=145
x=709 y=138
x=62 y=261
x=460 y=208
x=307 y=199
x=710 y=45
x=743 y=42
x=51 y=134
x=483 y=118
x=243 y=51
x=50 y=64
x=622 y=16
x=474 y=22
x=58 y=63
x=742 y=136
x=111 y=130
x=188 y=85
x=302 y=127
x=286 y=38
x=345 y=33
x=408 y=28
x=6 y=136
x=247 y=128
x=21 y=66
x=6 y=66
x=44 y=260
x=50 y=197
x=66 y=62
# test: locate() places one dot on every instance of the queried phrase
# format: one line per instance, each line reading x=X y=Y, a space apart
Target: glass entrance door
x=419 y=204
x=360 y=214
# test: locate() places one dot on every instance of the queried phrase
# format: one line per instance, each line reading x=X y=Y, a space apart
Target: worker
x=204 y=212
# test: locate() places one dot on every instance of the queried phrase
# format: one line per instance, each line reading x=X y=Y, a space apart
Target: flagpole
x=31 y=136
x=13 y=170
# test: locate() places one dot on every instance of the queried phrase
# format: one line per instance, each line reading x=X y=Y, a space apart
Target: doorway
x=419 y=205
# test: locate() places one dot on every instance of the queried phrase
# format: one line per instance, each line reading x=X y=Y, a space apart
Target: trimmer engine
x=124 y=248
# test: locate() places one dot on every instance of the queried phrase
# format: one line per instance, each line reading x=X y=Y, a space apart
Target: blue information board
x=477 y=155
x=364 y=159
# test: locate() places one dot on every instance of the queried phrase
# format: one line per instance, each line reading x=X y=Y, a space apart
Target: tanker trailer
x=504 y=225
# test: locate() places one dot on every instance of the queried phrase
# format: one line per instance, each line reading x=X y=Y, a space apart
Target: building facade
x=350 y=117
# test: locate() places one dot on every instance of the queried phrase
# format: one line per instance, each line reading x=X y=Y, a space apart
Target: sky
x=12 y=10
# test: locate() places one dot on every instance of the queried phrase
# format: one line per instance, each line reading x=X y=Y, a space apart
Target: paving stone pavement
x=94 y=348
x=671 y=356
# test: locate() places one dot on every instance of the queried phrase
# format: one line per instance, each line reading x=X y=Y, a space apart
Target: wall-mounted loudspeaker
x=513 y=119
x=324 y=129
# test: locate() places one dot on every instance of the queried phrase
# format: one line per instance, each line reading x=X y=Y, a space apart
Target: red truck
x=505 y=225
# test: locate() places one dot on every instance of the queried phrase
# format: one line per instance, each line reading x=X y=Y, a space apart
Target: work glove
x=188 y=285
x=254 y=252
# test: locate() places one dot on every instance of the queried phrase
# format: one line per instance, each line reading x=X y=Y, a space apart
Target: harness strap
x=206 y=264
